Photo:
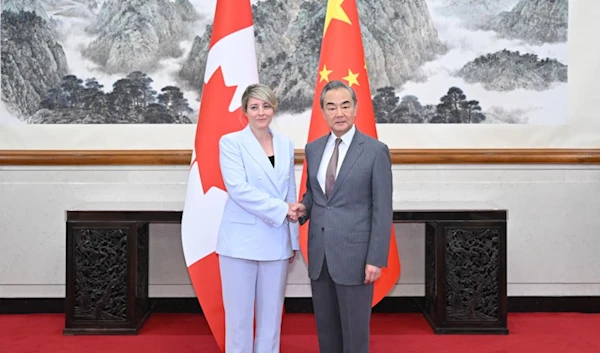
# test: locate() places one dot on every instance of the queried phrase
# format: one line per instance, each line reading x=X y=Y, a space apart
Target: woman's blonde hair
x=258 y=91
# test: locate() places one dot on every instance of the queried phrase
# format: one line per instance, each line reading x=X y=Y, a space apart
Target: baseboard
x=304 y=305
x=32 y=305
x=554 y=304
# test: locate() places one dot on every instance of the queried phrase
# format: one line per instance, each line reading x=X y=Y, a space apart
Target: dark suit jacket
x=353 y=227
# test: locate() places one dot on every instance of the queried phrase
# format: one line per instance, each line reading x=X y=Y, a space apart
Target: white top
x=128 y=206
x=446 y=206
x=178 y=206
x=329 y=146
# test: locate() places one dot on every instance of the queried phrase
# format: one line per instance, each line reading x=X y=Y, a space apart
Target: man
x=348 y=200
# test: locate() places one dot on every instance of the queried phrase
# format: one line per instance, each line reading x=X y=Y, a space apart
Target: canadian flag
x=230 y=67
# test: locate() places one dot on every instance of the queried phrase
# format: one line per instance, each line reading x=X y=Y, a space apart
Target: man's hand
x=300 y=209
x=372 y=273
x=291 y=214
x=295 y=211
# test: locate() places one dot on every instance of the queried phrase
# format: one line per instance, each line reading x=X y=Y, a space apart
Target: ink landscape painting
x=142 y=61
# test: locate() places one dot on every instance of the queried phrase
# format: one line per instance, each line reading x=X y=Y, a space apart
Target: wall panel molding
x=399 y=156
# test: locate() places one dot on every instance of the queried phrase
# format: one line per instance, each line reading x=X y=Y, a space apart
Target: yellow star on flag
x=352 y=78
x=325 y=74
x=335 y=12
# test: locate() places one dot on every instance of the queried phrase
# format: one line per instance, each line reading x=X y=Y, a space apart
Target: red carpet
x=402 y=333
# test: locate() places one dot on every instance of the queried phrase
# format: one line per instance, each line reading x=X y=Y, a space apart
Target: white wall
x=553 y=227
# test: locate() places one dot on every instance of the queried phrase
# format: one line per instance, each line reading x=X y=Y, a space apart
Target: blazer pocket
x=358 y=237
x=242 y=217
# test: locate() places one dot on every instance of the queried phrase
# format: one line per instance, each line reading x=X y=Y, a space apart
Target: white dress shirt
x=329 y=146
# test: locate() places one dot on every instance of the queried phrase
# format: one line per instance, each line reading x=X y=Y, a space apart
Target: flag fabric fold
x=342 y=58
x=225 y=79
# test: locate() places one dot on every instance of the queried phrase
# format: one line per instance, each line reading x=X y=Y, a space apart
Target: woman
x=258 y=236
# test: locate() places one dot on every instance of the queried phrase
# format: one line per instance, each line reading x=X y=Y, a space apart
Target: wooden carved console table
x=465 y=264
x=107 y=265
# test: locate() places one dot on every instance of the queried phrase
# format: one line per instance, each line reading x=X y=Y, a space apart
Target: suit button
x=328 y=207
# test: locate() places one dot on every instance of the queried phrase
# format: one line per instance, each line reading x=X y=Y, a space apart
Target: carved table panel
x=107 y=267
x=465 y=265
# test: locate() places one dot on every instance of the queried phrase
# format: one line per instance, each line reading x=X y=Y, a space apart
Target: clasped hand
x=295 y=211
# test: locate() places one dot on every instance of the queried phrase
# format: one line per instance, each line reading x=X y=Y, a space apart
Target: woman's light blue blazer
x=254 y=224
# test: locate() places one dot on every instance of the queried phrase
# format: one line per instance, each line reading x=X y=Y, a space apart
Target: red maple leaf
x=214 y=121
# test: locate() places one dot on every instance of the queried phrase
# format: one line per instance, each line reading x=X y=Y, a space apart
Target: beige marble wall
x=553 y=227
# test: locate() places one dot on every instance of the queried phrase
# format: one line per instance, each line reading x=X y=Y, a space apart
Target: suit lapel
x=258 y=154
x=354 y=151
x=281 y=150
x=319 y=149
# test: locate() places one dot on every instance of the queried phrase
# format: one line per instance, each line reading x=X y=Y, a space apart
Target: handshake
x=295 y=211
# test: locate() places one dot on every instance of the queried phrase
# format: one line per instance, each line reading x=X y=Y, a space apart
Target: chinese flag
x=230 y=68
x=342 y=58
